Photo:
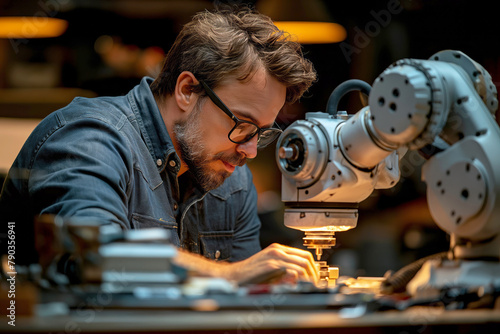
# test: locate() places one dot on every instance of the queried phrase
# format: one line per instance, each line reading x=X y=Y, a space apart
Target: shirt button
x=176 y=206
x=159 y=162
x=217 y=254
x=172 y=163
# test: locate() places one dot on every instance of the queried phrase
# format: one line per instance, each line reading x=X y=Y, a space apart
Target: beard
x=194 y=153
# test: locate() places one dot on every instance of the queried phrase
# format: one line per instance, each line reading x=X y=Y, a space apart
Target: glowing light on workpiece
x=31 y=27
x=328 y=228
x=308 y=32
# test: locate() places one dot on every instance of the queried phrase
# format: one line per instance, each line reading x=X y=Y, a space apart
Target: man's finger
x=302 y=258
x=308 y=266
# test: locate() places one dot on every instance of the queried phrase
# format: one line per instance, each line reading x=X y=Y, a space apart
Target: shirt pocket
x=140 y=221
x=217 y=245
x=149 y=173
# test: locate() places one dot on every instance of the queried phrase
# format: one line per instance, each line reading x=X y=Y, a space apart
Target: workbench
x=264 y=313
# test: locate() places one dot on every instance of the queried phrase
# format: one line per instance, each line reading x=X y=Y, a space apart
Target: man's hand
x=298 y=264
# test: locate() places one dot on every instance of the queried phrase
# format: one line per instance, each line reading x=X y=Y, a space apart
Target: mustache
x=233 y=159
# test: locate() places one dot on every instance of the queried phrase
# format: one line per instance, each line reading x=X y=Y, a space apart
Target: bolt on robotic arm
x=444 y=107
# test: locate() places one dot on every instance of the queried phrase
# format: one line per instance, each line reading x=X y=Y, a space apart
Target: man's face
x=196 y=155
x=203 y=137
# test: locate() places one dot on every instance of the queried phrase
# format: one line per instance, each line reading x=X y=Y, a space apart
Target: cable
x=398 y=281
x=344 y=88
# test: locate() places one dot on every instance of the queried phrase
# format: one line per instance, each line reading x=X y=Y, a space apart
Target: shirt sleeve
x=247 y=230
x=82 y=170
x=77 y=169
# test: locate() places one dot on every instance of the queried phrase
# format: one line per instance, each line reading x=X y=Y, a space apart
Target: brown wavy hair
x=234 y=41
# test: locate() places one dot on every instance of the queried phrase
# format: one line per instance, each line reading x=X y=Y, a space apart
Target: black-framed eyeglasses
x=243 y=130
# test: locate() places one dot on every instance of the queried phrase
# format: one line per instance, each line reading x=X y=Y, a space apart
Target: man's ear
x=183 y=92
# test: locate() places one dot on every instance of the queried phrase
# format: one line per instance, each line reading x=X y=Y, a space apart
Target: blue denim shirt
x=111 y=159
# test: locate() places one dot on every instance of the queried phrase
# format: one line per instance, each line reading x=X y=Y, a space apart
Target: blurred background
x=104 y=47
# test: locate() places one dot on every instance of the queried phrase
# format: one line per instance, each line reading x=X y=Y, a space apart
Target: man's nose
x=248 y=149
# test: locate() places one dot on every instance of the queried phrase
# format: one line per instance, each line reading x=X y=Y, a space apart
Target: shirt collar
x=152 y=125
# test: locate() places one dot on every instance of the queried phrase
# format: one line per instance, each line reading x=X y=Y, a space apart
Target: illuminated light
x=205 y=305
x=103 y=44
x=308 y=20
x=327 y=228
x=308 y=32
x=6 y=266
x=31 y=27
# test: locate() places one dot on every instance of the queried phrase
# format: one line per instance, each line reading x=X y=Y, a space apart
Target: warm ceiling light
x=313 y=32
x=31 y=27
x=308 y=20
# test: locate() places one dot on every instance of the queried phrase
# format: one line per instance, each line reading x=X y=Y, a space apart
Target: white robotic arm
x=444 y=107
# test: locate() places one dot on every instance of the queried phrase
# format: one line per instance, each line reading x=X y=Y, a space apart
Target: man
x=172 y=152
